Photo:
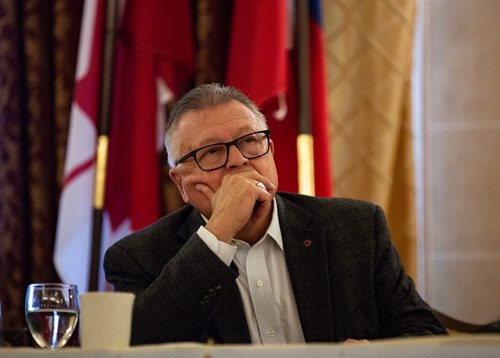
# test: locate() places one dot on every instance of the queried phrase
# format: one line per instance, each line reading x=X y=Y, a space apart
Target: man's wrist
x=219 y=231
x=224 y=251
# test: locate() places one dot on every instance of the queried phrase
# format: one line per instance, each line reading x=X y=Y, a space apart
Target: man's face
x=216 y=125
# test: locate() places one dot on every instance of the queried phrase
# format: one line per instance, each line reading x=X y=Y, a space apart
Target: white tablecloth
x=474 y=346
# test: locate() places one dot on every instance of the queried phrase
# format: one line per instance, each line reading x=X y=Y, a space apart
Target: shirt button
x=259 y=283
x=271 y=333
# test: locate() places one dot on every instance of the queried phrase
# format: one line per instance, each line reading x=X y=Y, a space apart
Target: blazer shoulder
x=151 y=247
x=334 y=215
x=166 y=227
x=322 y=207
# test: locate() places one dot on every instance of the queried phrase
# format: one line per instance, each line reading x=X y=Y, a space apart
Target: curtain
x=38 y=42
x=369 y=54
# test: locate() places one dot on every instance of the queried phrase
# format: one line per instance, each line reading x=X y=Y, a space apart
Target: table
x=484 y=345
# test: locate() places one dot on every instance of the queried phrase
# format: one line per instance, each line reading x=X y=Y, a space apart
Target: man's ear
x=177 y=179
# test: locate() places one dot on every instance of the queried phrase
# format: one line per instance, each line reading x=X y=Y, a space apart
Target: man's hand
x=237 y=202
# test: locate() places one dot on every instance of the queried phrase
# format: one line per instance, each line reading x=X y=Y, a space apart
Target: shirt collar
x=274 y=230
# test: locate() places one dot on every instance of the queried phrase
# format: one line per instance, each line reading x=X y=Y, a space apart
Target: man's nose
x=235 y=158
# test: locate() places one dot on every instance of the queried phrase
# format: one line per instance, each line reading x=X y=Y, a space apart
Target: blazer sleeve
x=175 y=304
x=401 y=310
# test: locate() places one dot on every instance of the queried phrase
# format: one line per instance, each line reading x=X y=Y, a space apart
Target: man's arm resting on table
x=173 y=306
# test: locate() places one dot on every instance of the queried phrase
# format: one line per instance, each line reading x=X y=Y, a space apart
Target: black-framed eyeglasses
x=215 y=156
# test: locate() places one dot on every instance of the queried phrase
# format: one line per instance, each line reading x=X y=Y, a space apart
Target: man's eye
x=210 y=152
x=251 y=139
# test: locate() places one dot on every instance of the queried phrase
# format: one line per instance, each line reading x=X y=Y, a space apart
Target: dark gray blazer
x=347 y=279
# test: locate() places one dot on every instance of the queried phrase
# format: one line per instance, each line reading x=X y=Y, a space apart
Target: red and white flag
x=74 y=224
x=258 y=65
x=263 y=63
x=154 y=59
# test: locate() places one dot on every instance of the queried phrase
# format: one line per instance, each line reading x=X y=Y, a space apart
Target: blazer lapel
x=305 y=252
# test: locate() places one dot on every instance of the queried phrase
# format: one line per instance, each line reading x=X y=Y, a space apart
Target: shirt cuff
x=224 y=251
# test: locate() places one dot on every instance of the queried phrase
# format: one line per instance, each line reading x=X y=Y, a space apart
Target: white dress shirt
x=264 y=284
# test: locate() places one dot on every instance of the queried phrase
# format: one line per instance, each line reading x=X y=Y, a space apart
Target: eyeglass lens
x=214 y=156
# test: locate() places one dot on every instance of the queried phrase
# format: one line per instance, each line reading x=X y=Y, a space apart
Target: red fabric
x=319 y=108
x=258 y=66
x=284 y=133
x=155 y=41
x=257 y=49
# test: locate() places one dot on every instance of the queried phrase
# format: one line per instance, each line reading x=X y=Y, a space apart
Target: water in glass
x=51 y=313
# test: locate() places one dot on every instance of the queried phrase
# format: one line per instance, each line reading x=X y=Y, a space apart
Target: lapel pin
x=307 y=243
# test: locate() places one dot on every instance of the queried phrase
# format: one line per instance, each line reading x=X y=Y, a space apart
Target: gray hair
x=199 y=98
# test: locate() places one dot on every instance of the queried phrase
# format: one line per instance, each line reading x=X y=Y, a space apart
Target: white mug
x=105 y=320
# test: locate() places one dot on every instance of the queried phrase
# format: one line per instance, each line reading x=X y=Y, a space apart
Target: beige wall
x=459 y=157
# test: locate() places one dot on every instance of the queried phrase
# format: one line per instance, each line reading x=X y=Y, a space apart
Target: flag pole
x=102 y=142
x=305 y=152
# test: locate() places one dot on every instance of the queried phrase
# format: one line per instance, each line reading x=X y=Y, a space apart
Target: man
x=243 y=263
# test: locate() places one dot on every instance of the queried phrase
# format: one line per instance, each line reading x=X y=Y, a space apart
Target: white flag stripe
x=82 y=139
x=72 y=249
x=86 y=36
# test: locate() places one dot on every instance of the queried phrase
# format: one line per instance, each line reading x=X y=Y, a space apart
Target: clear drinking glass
x=51 y=311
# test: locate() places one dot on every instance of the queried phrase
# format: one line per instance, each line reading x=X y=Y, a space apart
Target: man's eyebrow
x=213 y=140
